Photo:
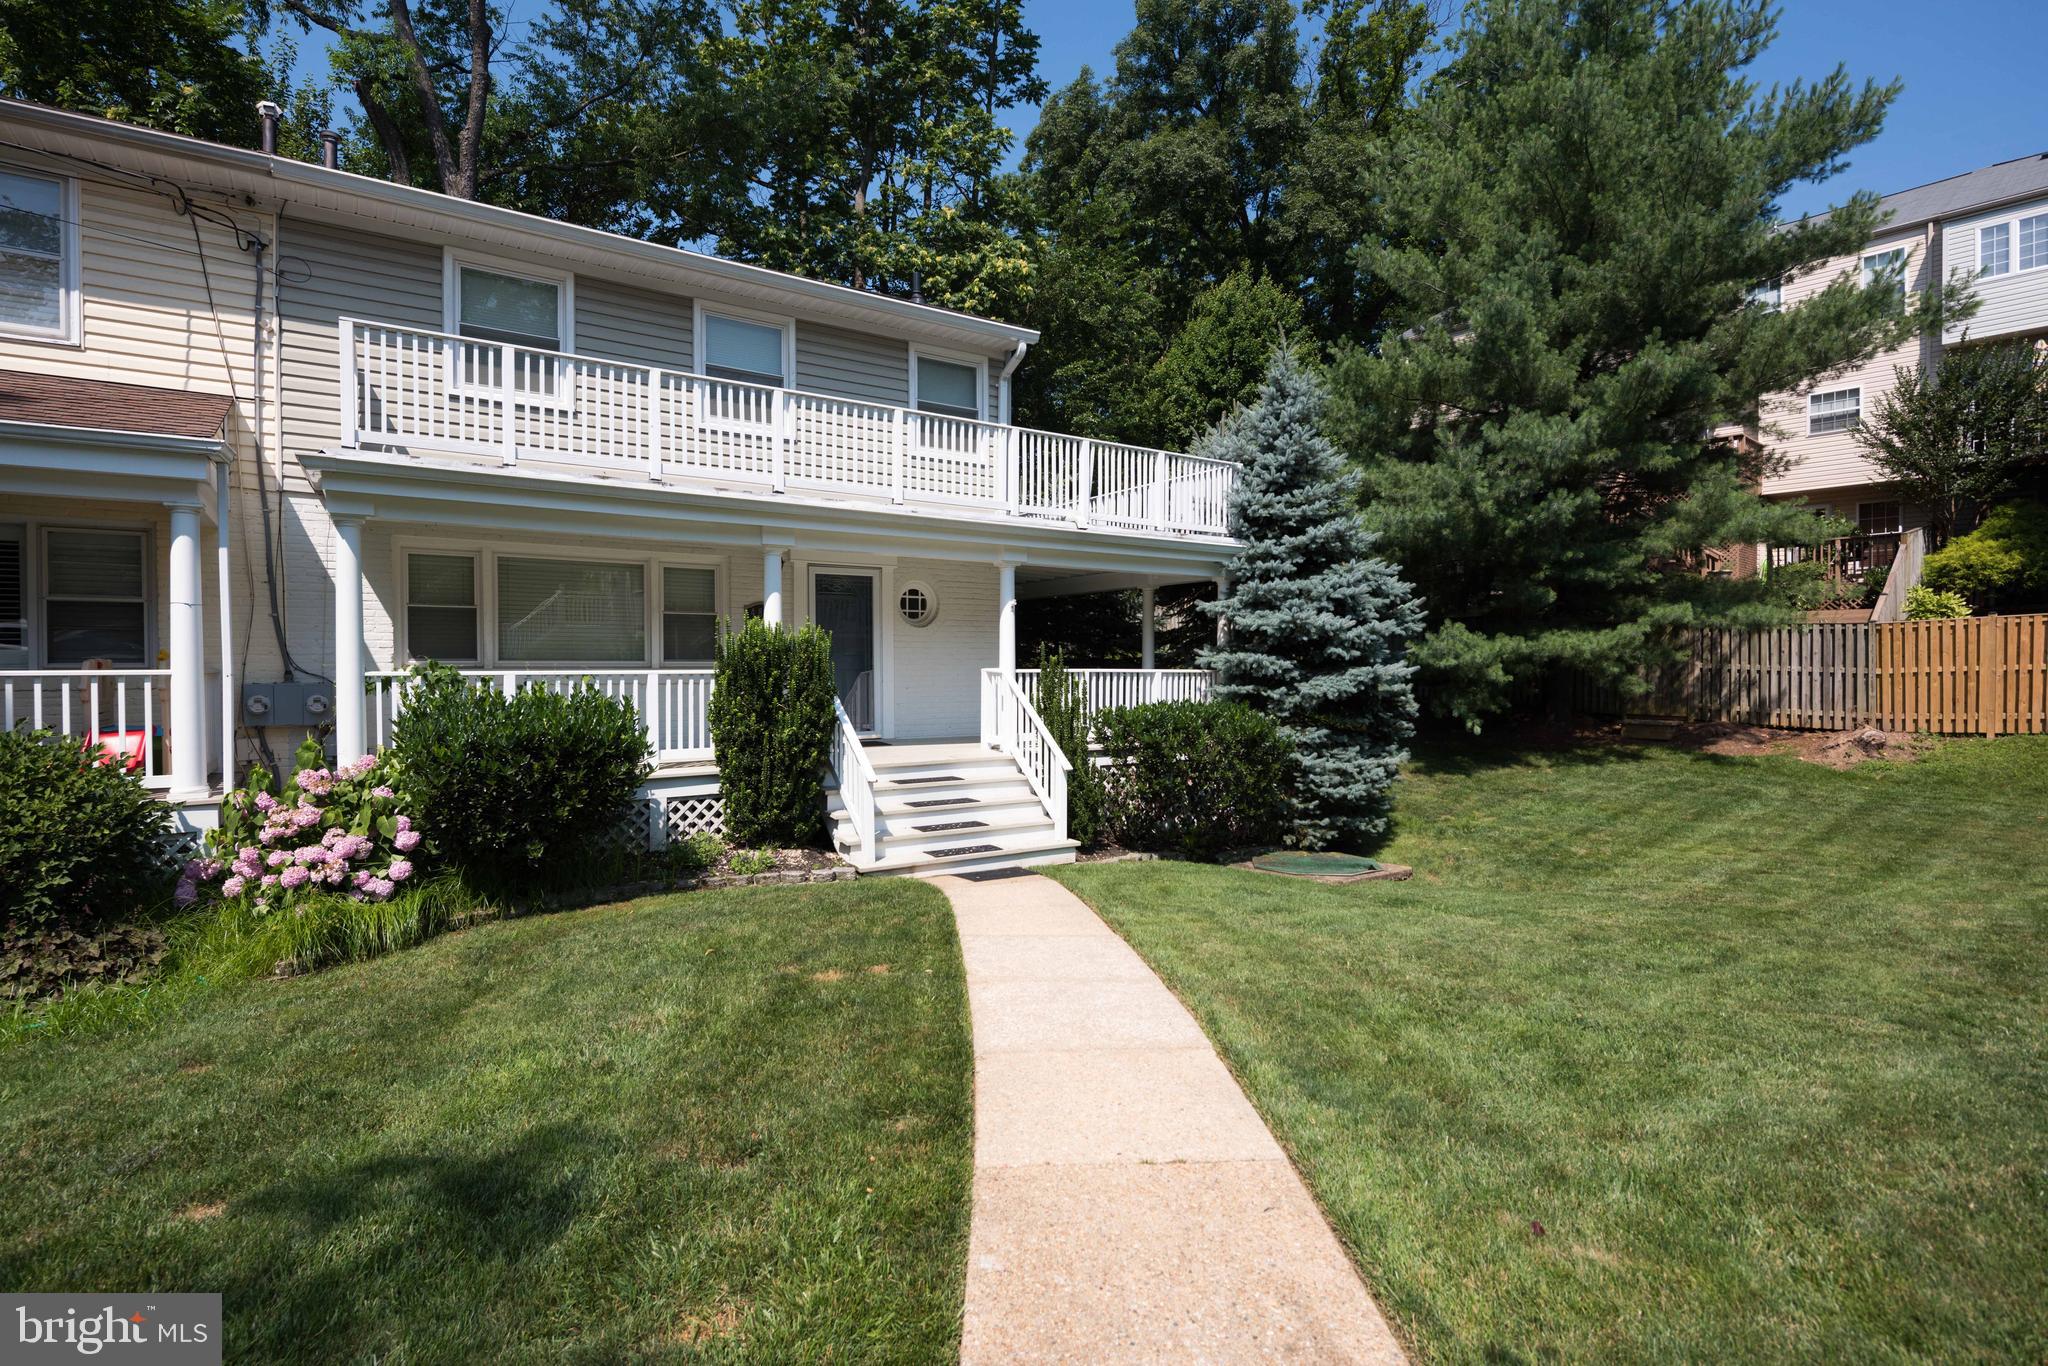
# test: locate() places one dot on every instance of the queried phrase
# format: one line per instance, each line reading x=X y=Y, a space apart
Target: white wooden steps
x=949 y=808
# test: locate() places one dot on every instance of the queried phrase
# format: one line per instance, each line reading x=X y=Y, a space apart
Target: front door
x=843 y=602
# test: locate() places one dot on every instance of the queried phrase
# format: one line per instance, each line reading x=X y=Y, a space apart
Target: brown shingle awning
x=57 y=401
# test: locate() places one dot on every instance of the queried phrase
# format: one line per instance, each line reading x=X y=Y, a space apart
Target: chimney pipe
x=267 y=114
x=330 y=149
x=916 y=288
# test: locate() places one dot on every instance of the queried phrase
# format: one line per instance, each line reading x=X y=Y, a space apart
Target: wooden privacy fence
x=1975 y=676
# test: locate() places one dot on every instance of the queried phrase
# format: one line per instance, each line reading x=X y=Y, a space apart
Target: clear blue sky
x=1976 y=74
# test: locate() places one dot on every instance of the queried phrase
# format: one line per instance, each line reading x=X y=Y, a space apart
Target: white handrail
x=1021 y=733
x=415 y=388
x=1106 y=689
x=115 y=711
x=674 y=704
x=856 y=783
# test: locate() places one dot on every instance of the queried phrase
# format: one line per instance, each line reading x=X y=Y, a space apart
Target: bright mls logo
x=173 y=1330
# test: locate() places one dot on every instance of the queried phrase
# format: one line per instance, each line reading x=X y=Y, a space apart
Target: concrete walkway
x=1129 y=1204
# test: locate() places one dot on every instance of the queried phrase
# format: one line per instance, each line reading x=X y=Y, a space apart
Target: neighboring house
x=270 y=432
x=1989 y=224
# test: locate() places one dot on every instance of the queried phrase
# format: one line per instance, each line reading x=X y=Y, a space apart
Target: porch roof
x=106 y=405
x=93 y=439
x=355 y=484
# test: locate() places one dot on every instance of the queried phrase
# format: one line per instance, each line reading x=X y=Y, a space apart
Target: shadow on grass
x=437 y=1212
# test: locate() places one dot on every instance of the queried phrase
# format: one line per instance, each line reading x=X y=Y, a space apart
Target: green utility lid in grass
x=1304 y=863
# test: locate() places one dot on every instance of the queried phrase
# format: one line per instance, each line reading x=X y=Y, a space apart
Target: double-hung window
x=750 y=352
x=527 y=314
x=571 y=611
x=95 y=603
x=948 y=387
x=1994 y=249
x=1838 y=410
x=1768 y=295
x=1886 y=269
x=38 y=256
x=441 y=608
x=1879 y=519
x=2034 y=241
x=689 y=614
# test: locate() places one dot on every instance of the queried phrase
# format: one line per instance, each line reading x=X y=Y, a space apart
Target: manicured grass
x=723 y=1124
x=1762 y=1047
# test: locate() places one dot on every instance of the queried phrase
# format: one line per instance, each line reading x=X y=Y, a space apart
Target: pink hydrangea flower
x=400 y=870
x=406 y=840
x=380 y=790
x=380 y=888
x=305 y=816
x=269 y=881
x=293 y=877
x=186 y=893
x=404 y=823
x=278 y=858
x=265 y=802
x=316 y=781
x=233 y=886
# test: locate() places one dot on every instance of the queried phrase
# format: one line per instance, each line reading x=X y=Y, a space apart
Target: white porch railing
x=1103 y=689
x=122 y=712
x=856 y=778
x=1013 y=726
x=410 y=389
x=674 y=704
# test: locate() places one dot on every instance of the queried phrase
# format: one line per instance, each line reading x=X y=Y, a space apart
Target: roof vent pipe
x=916 y=288
x=330 y=149
x=267 y=115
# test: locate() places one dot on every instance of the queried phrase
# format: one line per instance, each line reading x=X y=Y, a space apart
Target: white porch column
x=188 y=657
x=230 y=704
x=1006 y=618
x=771 y=587
x=348 y=639
x=1148 y=599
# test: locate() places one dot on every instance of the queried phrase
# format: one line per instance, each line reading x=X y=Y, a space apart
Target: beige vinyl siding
x=1834 y=459
x=832 y=360
x=631 y=323
x=147 y=315
x=2011 y=304
x=336 y=272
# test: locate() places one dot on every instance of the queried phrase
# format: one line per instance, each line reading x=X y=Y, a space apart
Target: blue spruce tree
x=1316 y=624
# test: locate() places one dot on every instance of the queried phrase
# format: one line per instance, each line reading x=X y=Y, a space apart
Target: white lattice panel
x=687 y=816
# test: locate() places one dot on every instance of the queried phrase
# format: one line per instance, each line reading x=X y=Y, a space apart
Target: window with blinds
x=948 y=387
x=441 y=608
x=1836 y=411
x=689 y=615
x=571 y=612
x=13 y=597
x=750 y=352
x=94 y=598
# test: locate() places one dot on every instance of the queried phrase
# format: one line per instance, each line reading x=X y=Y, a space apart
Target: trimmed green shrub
x=1063 y=707
x=772 y=721
x=516 y=791
x=1932 y=604
x=1194 y=778
x=2008 y=552
x=81 y=841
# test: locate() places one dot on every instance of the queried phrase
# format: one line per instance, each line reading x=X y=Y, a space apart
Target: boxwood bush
x=1194 y=778
x=771 y=729
x=81 y=841
x=515 y=792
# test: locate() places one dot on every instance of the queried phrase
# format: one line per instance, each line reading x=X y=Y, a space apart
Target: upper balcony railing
x=404 y=388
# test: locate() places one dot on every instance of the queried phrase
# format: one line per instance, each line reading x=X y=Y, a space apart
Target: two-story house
x=1989 y=224
x=271 y=432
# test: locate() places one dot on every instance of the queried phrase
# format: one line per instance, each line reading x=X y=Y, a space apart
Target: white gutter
x=1009 y=369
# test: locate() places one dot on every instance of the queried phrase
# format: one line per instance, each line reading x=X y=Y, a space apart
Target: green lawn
x=731 y=1124
x=1762 y=1047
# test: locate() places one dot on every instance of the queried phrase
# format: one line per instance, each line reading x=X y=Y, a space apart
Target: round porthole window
x=917 y=604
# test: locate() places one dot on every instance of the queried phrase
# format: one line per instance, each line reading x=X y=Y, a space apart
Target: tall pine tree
x=1576 y=216
x=1316 y=624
